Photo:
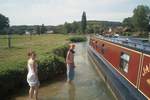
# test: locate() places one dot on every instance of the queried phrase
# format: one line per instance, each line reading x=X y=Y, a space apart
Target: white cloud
x=58 y=11
x=111 y=16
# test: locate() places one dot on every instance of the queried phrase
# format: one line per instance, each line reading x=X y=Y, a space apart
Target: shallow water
x=86 y=86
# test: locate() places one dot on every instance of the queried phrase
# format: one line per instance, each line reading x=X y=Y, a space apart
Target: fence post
x=9 y=40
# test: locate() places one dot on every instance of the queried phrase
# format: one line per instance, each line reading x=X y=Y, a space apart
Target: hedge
x=49 y=65
x=78 y=38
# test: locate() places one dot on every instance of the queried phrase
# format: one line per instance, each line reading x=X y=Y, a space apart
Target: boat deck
x=139 y=44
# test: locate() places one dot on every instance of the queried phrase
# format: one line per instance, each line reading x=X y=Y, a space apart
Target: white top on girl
x=32 y=77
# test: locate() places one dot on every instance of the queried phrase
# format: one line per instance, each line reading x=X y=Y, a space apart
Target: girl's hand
x=148 y=81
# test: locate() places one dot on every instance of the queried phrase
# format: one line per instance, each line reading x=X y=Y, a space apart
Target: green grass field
x=22 y=44
x=50 y=49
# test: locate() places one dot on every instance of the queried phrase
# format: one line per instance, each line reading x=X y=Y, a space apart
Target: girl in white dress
x=32 y=76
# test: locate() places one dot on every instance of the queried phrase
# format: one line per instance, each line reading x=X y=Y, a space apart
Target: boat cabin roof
x=139 y=44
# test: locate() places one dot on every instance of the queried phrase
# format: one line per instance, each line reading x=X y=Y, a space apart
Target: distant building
x=33 y=32
x=50 y=32
x=27 y=32
x=112 y=31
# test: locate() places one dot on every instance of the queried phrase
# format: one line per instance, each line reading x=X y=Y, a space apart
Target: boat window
x=124 y=62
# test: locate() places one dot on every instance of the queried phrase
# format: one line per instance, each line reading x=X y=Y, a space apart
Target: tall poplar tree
x=83 y=22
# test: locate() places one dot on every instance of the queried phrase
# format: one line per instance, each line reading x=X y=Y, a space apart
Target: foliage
x=140 y=18
x=21 y=29
x=4 y=23
x=43 y=29
x=38 y=29
x=68 y=28
x=92 y=27
x=72 y=27
x=60 y=51
x=60 y=29
x=144 y=35
x=149 y=27
x=83 y=22
x=75 y=27
x=127 y=33
x=127 y=22
x=100 y=26
x=78 y=38
x=51 y=65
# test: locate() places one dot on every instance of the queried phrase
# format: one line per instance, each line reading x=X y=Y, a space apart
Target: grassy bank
x=21 y=45
x=51 y=52
x=50 y=49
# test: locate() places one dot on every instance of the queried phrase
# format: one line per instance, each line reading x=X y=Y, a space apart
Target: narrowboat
x=124 y=63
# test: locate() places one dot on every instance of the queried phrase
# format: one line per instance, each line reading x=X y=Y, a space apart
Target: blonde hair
x=31 y=53
x=72 y=45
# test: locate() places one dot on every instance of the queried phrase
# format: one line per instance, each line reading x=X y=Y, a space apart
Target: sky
x=55 y=12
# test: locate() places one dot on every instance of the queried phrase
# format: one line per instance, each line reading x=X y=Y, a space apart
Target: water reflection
x=71 y=91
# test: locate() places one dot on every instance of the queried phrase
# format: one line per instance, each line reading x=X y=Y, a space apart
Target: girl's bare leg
x=36 y=92
x=31 y=91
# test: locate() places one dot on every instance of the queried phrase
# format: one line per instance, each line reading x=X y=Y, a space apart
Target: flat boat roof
x=139 y=44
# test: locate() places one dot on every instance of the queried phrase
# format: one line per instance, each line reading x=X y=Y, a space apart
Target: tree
x=96 y=28
x=90 y=29
x=83 y=22
x=75 y=27
x=140 y=18
x=43 y=29
x=38 y=29
x=4 y=22
x=67 y=27
x=149 y=24
x=60 y=29
x=127 y=22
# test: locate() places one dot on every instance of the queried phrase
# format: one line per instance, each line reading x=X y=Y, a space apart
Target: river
x=87 y=84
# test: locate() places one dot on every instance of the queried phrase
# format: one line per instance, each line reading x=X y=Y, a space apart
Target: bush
x=127 y=34
x=12 y=79
x=61 y=51
x=144 y=35
x=49 y=65
x=78 y=39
